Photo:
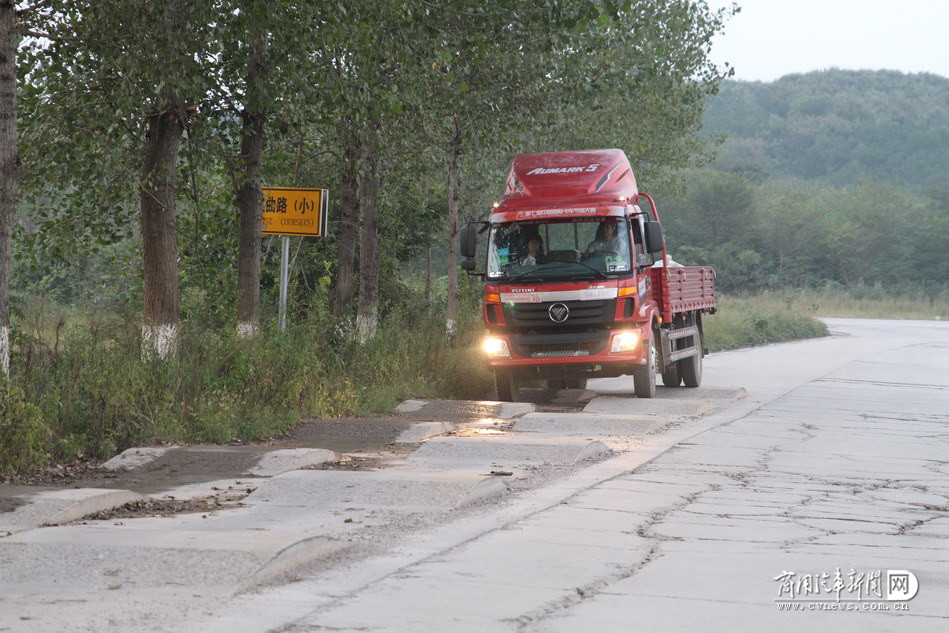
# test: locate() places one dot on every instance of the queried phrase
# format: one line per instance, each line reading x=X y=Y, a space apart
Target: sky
x=772 y=38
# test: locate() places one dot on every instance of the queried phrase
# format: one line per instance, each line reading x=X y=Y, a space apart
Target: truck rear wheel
x=507 y=386
x=691 y=368
x=644 y=377
x=671 y=377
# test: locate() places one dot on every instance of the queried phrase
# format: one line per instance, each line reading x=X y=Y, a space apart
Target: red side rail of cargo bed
x=682 y=289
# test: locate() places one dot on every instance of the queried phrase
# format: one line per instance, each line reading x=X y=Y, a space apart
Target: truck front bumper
x=550 y=364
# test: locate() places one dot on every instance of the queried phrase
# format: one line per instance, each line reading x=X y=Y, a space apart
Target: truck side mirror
x=468 y=263
x=653 y=237
x=468 y=238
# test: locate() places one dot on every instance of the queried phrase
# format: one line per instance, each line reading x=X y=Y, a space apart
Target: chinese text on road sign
x=291 y=211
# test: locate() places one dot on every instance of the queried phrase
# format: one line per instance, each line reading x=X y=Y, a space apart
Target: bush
x=24 y=435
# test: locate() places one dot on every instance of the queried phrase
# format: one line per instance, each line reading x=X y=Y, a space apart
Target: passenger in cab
x=535 y=252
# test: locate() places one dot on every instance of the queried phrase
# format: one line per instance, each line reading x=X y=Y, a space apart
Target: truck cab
x=576 y=281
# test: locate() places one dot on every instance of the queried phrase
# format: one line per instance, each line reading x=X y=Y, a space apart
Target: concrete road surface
x=818 y=500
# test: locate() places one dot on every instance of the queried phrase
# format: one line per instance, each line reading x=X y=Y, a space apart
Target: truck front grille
x=561 y=344
x=536 y=315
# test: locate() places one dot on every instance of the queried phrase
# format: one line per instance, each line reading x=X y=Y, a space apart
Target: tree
x=10 y=35
x=9 y=41
x=369 y=70
x=253 y=121
x=575 y=74
x=132 y=74
x=267 y=74
x=485 y=70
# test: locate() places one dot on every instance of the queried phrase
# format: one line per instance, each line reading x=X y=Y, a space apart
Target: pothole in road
x=351 y=462
x=224 y=500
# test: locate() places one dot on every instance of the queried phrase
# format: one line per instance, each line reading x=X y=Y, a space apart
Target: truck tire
x=644 y=377
x=507 y=386
x=671 y=376
x=691 y=368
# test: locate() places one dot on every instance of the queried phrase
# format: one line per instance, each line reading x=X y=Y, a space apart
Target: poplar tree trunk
x=249 y=194
x=451 y=308
x=160 y=329
x=348 y=232
x=367 y=315
x=9 y=164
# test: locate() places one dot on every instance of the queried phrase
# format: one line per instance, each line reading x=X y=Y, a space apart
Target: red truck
x=578 y=283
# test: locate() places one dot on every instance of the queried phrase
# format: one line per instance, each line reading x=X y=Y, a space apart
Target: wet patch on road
x=9 y=504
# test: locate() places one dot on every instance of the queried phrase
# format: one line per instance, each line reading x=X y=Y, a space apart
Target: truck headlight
x=495 y=347
x=625 y=341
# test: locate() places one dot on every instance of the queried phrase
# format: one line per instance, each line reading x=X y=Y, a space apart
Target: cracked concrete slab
x=590 y=425
x=57 y=506
x=135 y=457
x=498 y=450
x=273 y=463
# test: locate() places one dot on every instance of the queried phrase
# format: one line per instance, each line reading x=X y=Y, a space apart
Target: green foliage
x=526 y=76
x=837 y=127
x=25 y=437
x=800 y=234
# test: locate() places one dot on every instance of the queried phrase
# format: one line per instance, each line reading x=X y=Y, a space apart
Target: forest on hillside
x=836 y=127
x=834 y=179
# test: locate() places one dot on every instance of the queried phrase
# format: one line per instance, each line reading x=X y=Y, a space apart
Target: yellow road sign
x=293 y=211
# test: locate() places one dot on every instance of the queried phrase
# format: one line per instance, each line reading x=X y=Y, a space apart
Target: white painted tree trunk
x=247 y=330
x=5 y=349
x=159 y=341
x=366 y=326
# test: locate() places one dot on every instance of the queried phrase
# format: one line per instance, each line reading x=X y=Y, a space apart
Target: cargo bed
x=682 y=289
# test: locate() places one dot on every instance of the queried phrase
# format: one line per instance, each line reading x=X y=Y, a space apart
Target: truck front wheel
x=644 y=377
x=507 y=386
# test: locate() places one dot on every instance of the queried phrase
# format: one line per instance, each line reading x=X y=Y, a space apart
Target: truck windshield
x=559 y=249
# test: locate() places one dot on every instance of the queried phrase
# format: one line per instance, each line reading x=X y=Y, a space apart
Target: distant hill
x=836 y=126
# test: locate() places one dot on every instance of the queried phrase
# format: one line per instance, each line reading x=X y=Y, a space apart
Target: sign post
x=284 y=279
x=292 y=211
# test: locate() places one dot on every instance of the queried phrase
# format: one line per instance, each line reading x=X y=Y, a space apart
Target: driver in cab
x=535 y=252
x=606 y=239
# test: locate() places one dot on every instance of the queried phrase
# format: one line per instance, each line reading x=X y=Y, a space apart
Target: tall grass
x=869 y=301
x=758 y=320
x=80 y=389
x=791 y=313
